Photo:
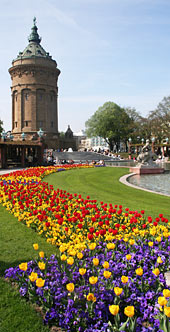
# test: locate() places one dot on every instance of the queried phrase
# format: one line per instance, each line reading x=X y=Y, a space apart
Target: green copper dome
x=34 y=37
x=34 y=49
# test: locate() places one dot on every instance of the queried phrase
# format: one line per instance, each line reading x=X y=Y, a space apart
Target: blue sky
x=107 y=50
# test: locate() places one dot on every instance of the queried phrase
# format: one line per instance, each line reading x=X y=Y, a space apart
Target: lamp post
x=40 y=134
x=167 y=148
x=40 y=154
x=153 y=141
x=4 y=136
x=23 y=136
x=129 y=147
x=11 y=137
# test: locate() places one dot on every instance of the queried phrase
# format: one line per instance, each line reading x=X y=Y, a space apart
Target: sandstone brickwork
x=34 y=76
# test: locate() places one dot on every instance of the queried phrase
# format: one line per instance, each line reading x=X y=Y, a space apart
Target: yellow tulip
x=40 y=282
x=166 y=292
x=166 y=234
x=93 y=280
x=41 y=254
x=128 y=257
x=95 y=261
x=72 y=252
x=82 y=271
x=167 y=311
x=118 y=290
x=70 y=287
x=79 y=255
x=139 y=271
x=131 y=242
x=63 y=257
x=91 y=297
x=129 y=311
x=162 y=300
x=124 y=279
x=70 y=261
x=106 y=265
x=156 y=272
x=92 y=246
x=159 y=260
x=33 y=276
x=114 y=309
x=35 y=246
x=41 y=265
x=125 y=239
x=107 y=274
x=23 y=266
x=110 y=246
x=62 y=248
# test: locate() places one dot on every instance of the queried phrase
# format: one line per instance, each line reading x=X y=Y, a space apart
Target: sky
x=107 y=50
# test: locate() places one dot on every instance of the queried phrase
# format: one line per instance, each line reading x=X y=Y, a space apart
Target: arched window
x=40 y=94
x=52 y=95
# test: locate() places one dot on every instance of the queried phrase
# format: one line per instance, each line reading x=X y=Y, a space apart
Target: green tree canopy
x=1 y=128
x=111 y=122
x=160 y=120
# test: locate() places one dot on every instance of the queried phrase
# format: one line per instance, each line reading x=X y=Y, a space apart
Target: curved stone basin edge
x=124 y=180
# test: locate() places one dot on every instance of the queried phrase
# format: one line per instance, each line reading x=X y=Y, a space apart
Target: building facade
x=34 y=76
x=95 y=143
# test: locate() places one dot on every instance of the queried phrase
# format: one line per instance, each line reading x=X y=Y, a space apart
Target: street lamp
x=11 y=137
x=40 y=133
x=167 y=140
x=129 y=147
x=23 y=136
x=4 y=135
x=153 y=141
x=142 y=140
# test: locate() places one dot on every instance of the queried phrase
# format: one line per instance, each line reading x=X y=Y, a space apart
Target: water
x=156 y=182
x=131 y=163
x=120 y=163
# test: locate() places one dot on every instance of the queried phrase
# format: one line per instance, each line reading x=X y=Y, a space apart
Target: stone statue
x=146 y=157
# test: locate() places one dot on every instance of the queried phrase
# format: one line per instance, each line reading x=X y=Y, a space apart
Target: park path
x=6 y=171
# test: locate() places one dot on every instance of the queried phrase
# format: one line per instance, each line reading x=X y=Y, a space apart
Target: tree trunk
x=110 y=145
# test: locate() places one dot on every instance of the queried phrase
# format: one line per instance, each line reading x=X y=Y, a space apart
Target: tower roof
x=34 y=49
x=34 y=36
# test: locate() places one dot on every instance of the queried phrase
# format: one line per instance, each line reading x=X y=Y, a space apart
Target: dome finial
x=34 y=36
x=34 y=20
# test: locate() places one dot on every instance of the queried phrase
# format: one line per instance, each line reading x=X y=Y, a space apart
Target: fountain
x=146 y=164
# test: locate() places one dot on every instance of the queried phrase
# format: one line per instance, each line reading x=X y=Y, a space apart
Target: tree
x=111 y=122
x=62 y=134
x=1 y=128
x=160 y=120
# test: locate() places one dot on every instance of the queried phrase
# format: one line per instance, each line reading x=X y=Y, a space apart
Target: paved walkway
x=6 y=171
x=83 y=156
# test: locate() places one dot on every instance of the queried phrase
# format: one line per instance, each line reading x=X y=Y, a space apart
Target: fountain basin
x=146 y=170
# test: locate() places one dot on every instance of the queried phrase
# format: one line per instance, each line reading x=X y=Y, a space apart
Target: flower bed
x=109 y=273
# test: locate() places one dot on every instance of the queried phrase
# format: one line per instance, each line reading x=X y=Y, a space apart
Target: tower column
x=33 y=111
x=34 y=77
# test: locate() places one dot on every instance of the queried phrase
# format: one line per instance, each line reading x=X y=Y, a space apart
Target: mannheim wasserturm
x=34 y=88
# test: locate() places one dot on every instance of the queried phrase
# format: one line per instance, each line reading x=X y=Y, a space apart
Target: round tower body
x=34 y=88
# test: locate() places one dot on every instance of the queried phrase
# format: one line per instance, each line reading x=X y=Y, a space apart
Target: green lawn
x=103 y=184
x=15 y=314
x=16 y=242
x=16 y=239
